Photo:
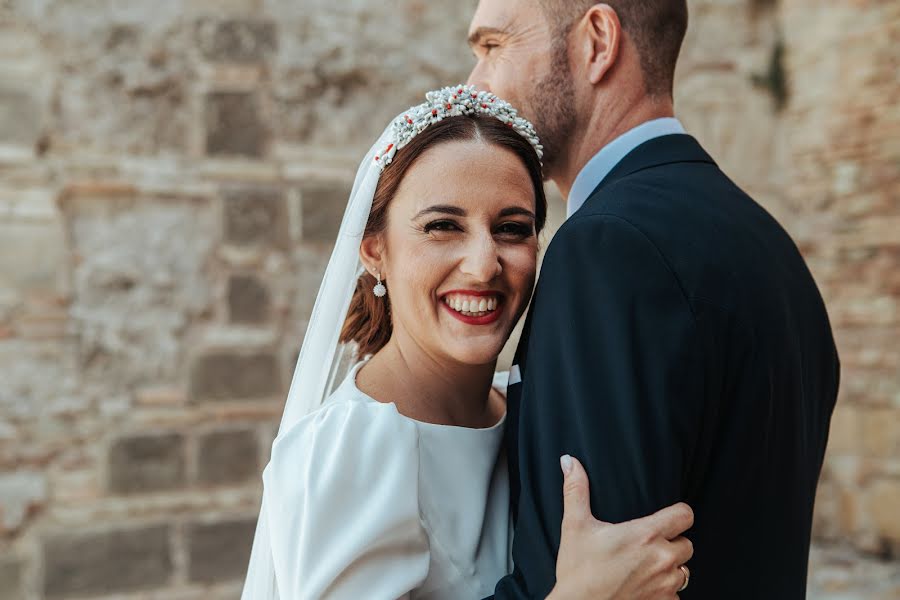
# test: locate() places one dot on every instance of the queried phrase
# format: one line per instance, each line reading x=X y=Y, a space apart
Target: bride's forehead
x=469 y=174
x=462 y=164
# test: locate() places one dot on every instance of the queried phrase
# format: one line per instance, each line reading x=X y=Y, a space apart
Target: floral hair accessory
x=454 y=101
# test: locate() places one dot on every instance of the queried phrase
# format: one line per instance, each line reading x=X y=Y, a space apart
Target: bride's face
x=460 y=251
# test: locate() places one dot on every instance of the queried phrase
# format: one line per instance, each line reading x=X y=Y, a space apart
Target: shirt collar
x=602 y=163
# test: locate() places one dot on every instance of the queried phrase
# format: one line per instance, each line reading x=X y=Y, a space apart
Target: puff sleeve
x=344 y=512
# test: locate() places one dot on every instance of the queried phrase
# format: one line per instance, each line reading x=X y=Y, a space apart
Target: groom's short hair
x=656 y=27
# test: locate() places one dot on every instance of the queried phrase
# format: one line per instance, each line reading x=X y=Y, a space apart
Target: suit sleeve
x=613 y=376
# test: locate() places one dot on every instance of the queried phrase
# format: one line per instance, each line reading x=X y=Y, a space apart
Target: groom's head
x=562 y=62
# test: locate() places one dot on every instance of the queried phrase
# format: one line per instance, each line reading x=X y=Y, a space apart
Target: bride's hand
x=639 y=559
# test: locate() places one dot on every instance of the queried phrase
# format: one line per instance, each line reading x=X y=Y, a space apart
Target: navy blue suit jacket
x=678 y=346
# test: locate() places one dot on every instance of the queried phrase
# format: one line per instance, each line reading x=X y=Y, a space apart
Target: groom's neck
x=595 y=130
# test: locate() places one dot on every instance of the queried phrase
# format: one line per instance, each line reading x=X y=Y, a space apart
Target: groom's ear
x=371 y=253
x=601 y=34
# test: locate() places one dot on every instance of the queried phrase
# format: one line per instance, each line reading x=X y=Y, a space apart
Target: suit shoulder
x=610 y=248
x=588 y=234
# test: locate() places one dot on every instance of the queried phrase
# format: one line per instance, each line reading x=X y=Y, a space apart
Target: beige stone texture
x=171 y=178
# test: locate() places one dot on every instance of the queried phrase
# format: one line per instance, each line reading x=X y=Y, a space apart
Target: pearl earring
x=379 y=290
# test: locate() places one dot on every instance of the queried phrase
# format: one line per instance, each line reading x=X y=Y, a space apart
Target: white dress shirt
x=608 y=157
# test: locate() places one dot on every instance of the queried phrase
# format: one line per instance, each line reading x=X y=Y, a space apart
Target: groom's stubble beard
x=551 y=102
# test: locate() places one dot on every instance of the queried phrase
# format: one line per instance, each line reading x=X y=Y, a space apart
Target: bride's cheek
x=522 y=266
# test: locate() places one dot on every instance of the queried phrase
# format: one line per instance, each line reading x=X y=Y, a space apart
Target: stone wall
x=800 y=103
x=172 y=173
x=844 y=166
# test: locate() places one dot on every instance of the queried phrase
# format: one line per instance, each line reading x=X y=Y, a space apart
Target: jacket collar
x=664 y=150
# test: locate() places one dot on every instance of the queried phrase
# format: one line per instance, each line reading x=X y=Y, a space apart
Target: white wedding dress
x=375 y=505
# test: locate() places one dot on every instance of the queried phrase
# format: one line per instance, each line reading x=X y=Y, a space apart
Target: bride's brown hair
x=368 y=320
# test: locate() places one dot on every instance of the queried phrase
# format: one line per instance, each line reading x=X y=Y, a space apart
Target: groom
x=676 y=343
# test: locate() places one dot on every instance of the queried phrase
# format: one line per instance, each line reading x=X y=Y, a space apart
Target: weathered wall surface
x=172 y=173
x=799 y=103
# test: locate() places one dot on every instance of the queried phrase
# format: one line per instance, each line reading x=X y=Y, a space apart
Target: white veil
x=321 y=358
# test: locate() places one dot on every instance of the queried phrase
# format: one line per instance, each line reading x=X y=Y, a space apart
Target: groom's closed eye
x=478 y=37
x=484 y=39
x=484 y=49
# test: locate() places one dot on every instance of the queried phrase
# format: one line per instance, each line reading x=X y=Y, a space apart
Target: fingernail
x=565 y=461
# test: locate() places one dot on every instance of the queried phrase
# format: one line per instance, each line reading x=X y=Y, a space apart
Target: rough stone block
x=219 y=551
x=323 y=209
x=310 y=264
x=160 y=396
x=121 y=85
x=330 y=68
x=11 y=578
x=248 y=299
x=38 y=379
x=140 y=274
x=42 y=242
x=234 y=376
x=880 y=432
x=77 y=486
x=147 y=463
x=884 y=509
x=844 y=437
x=20 y=119
x=80 y=564
x=234 y=125
x=236 y=40
x=256 y=215
x=228 y=456
x=22 y=494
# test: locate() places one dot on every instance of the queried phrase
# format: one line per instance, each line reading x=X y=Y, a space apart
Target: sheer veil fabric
x=322 y=360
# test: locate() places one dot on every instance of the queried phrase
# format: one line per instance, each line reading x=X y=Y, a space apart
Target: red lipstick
x=487 y=319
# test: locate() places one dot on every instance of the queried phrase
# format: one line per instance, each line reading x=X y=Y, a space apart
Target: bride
x=393 y=484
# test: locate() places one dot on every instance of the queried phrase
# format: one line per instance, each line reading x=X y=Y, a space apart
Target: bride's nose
x=481 y=260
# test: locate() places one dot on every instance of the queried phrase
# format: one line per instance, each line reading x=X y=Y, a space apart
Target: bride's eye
x=441 y=226
x=515 y=230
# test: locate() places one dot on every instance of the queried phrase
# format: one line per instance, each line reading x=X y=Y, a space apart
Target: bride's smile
x=474 y=307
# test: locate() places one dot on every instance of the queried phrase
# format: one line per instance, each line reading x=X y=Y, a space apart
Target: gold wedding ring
x=687 y=577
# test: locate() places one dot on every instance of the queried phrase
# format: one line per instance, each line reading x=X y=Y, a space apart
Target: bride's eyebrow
x=516 y=210
x=443 y=209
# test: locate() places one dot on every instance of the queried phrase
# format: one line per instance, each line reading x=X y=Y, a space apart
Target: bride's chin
x=474 y=355
x=477 y=361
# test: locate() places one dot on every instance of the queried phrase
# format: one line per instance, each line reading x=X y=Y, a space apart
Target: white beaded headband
x=453 y=102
